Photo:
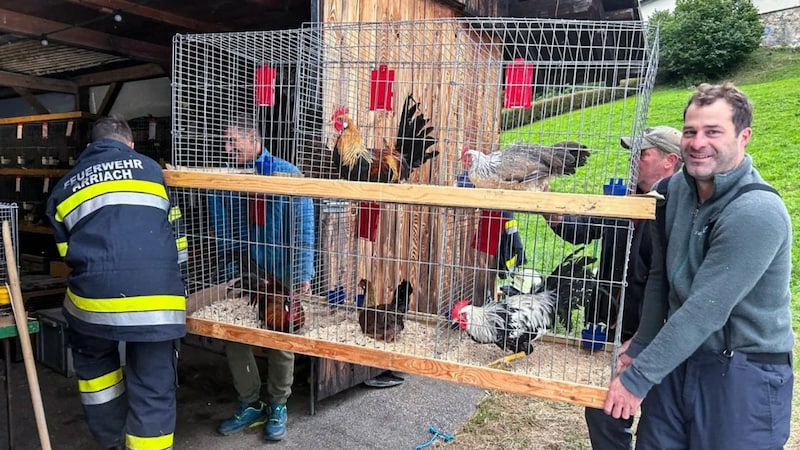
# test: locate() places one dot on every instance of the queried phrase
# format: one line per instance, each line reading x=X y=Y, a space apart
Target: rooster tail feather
x=414 y=135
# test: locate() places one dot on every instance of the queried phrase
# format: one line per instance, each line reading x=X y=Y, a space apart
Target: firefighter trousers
x=132 y=407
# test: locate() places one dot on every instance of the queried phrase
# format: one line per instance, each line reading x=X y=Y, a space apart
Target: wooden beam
x=543 y=202
x=43 y=117
x=31 y=99
x=39 y=83
x=108 y=100
x=622 y=14
x=433 y=368
x=150 y=13
x=141 y=72
x=13 y=22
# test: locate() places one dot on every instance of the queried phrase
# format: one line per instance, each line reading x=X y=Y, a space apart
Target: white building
x=764 y=6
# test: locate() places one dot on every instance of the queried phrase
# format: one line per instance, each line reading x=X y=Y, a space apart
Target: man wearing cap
x=659 y=158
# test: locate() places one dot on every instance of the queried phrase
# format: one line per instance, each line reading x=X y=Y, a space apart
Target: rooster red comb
x=340 y=111
x=457 y=306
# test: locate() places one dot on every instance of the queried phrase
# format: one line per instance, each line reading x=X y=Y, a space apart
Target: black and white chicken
x=512 y=324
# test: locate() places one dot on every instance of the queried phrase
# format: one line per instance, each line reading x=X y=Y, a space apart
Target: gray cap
x=666 y=139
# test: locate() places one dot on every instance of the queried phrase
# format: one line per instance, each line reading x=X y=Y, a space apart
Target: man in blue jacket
x=277 y=232
x=713 y=352
x=111 y=220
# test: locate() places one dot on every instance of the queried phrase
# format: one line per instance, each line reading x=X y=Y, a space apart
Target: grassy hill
x=771 y=78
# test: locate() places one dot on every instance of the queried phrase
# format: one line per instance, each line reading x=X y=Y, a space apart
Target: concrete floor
x=361 y=417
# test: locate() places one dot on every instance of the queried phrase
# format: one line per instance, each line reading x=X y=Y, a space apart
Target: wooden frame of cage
x=547 y=202
x=542 y=202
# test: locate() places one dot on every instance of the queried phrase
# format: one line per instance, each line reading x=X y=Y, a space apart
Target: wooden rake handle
x=15 y=292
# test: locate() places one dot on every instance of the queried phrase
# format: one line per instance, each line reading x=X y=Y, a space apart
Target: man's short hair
x=707 y=94
x=112 y=127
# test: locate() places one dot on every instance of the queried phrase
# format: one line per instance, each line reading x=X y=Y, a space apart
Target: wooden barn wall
x=413 y=241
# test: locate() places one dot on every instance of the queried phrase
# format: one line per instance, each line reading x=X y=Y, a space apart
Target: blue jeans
x=714 y=402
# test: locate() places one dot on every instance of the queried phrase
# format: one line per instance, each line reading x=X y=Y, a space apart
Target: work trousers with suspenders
x=134 y=406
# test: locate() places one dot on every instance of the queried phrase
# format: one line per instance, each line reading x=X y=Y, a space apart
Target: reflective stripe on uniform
x=102 y=389
x=183 y=256
x=128 y=304
x=129 y=318
x=149 y=443
x=511 y=226
x=62 y=248
x=175 y=213
x=182 y=243
x=113 y=198
x=130 y=186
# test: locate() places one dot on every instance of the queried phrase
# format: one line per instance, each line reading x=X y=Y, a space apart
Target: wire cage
x=8 y=213
x=395 y=264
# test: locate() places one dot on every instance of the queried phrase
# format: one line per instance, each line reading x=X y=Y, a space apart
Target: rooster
x=383 y=322
x=392 y=163
x=278 y=308
x=523 y=167
x=512 y=324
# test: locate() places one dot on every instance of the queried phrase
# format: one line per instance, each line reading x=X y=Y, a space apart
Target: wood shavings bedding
x=425 y=338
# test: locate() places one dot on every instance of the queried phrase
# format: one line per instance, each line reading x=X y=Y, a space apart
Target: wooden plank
x=153 y=14
x=45 y=117
x=31 y=99
x=108 y=100
x=433 y=368
x=13 y=22
x=140 y=72
x=543 y=202
x=34 y=172
x=38 y=83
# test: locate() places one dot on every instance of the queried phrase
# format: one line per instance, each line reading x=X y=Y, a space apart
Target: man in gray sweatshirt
x=713 y=350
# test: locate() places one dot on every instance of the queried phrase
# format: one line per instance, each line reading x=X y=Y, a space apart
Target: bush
x=706 y=39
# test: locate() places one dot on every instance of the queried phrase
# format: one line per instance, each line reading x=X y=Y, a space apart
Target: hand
x=623 y=361
x=620 y=402
x=303 y=287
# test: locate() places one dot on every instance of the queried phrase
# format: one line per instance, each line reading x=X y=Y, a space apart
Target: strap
x=726 y=329
x=661 y=227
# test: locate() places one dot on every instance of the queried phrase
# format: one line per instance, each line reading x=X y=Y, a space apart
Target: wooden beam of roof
x=12 y=22
x=155 y=14
x=43 y=84
x=141 y=72
x=28 y=96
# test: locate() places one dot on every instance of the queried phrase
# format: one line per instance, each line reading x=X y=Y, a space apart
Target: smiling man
x=712 y=357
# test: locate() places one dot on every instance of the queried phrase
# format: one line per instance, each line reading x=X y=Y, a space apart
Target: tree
x=705 y=39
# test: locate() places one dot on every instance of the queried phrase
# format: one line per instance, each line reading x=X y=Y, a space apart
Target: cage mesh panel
x=591 y=83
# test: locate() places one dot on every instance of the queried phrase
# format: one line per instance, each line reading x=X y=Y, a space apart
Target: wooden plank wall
x=458 y=82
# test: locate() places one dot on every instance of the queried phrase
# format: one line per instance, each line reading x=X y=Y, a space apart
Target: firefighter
x=112 y=224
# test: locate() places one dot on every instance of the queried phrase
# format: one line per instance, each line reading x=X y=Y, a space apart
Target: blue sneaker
x=276 y=424
x=246 y=416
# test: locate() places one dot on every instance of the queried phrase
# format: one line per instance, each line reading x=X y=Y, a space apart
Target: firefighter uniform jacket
x=111 y=218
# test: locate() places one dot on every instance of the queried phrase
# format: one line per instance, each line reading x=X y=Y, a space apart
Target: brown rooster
x=392 y=163
x=383 y=322
x=278 y=308
x=523 y=167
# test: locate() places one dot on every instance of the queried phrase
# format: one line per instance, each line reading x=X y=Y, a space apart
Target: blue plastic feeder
x=593 y=336
x=337 y=296
x=616 y=186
